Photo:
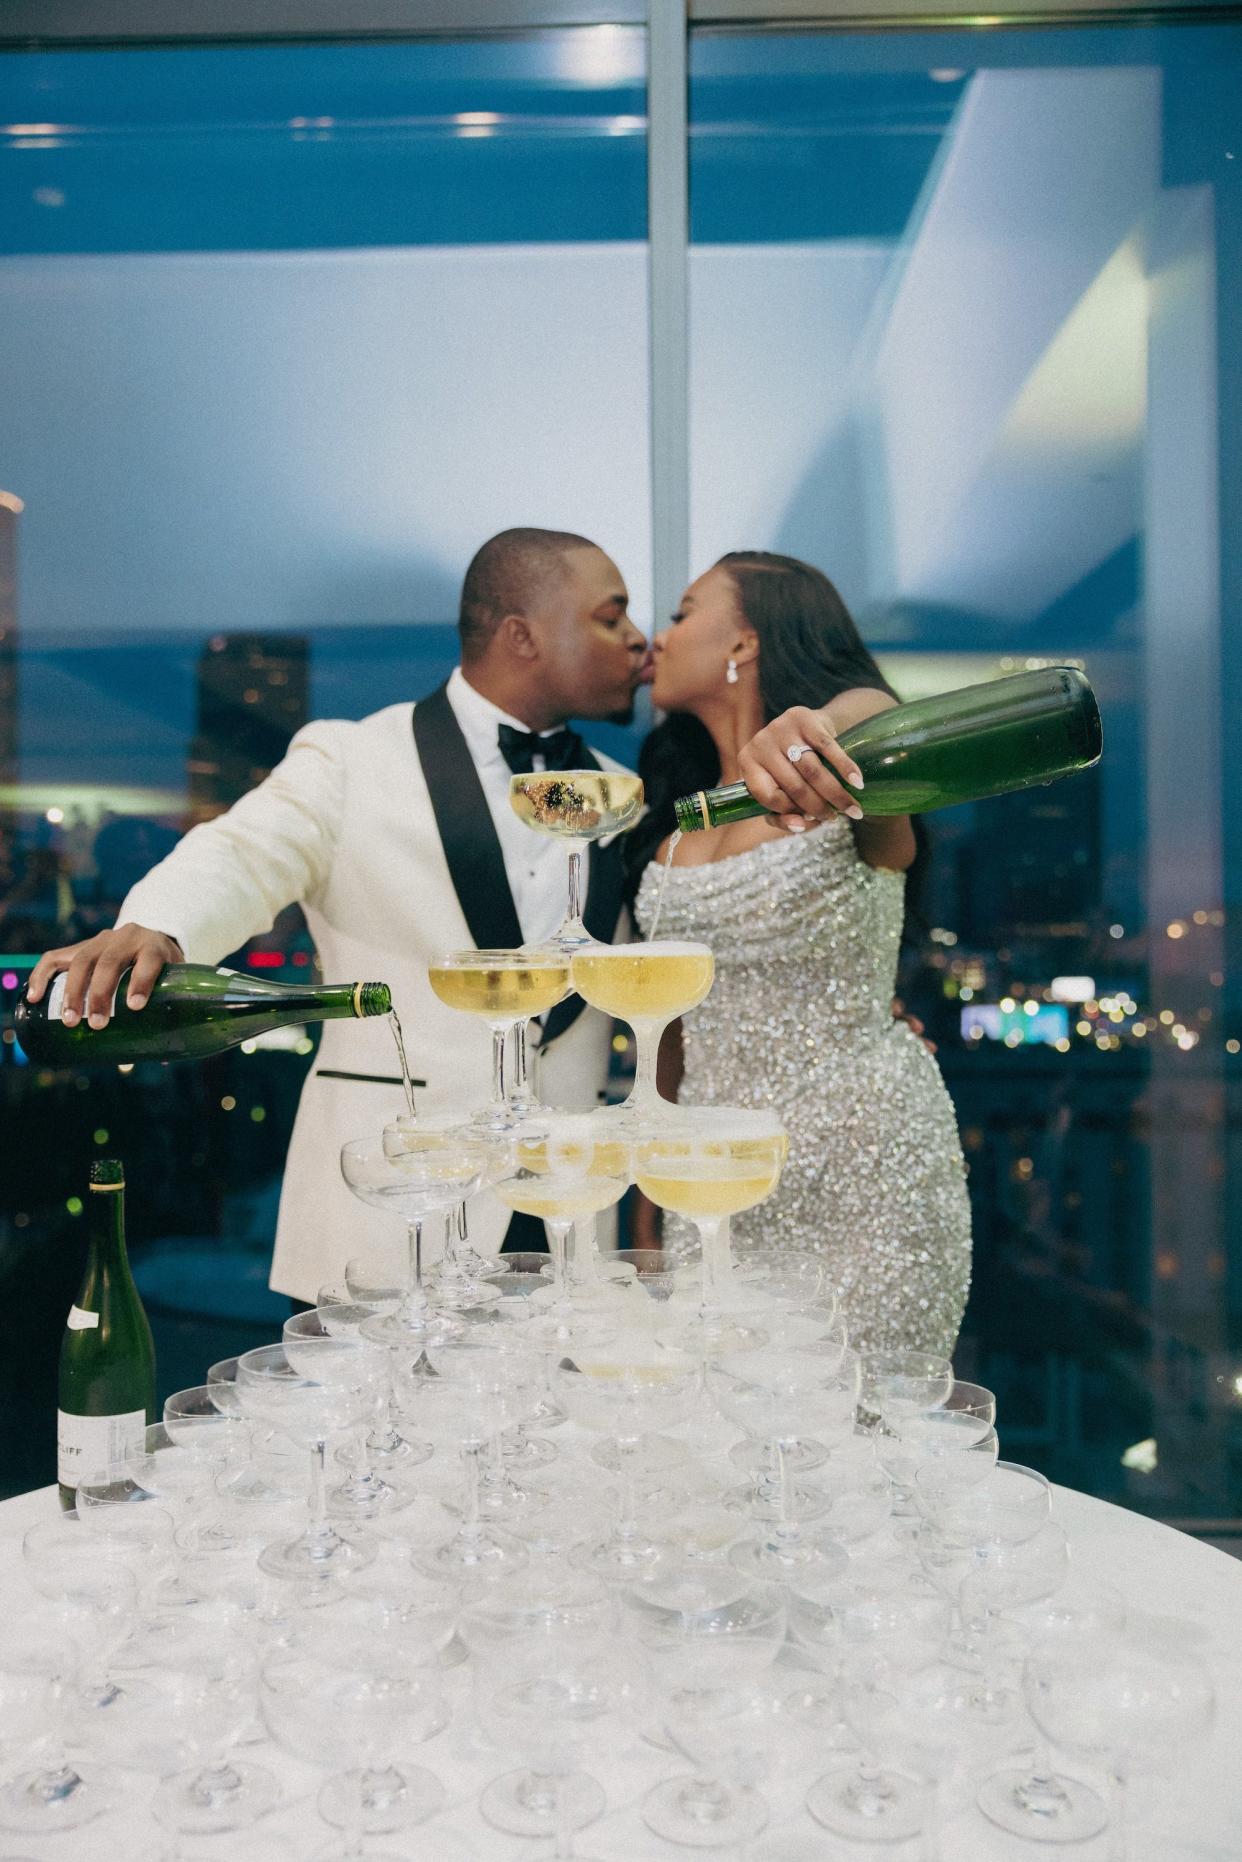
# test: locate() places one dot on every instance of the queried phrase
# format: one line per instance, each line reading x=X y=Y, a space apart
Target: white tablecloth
x=1190 y=1589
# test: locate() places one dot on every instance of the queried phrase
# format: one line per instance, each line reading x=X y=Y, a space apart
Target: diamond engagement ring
x=796 y=752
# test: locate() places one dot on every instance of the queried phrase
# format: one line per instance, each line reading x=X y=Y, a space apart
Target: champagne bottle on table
x=964 y=746
x=193 y=1011
x=106 y=1392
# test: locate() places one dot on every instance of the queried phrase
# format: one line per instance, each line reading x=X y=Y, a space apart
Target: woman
x=806 y=926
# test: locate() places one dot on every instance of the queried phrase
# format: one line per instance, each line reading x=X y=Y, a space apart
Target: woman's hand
x=800 y=791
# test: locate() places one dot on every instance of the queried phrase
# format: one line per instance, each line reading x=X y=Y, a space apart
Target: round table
x=1172 y=1584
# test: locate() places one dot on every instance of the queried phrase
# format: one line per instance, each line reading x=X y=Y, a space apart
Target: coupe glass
x=972 y=1400
x=482 y=1383
x=1036 y=1800
x=1010 y=1504
x=726 y=1732
x=416 y=1171
x=310 y=1412
x=462 y=1278
x=1124 y=1701
x=88 y=1599
x=339 y=1700
x=364 y=1494
x=187 y=1707
x=626 y=1386
x=869 y=1610
x=930 y=1719
x=897 y=1384
x=195 y=1423
x=578 y=806
x=687 y=1612
x=261 y=1475
x=564 y=1170
x=778 y=1395
x=554 y=1696
x=648 y=986
x=504 y=988
x=719 y=1162
x=390 y=1446
x=542 y=1603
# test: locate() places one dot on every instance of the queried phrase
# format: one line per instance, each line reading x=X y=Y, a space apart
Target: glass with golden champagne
x=579 y=806
x=720 y=1161
x=648 y=986
x=566 y=1171
x=504 y=988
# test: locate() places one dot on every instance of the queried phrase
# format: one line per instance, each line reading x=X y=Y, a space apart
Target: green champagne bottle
x=106 y=1392
x=193 y=1011
x=963 y=746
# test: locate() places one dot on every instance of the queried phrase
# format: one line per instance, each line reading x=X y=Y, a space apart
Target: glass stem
x=470 y=1516
x=1041 y=1766
x=416 y=1299
x=558 y=1245
x=448 y=1265
x=317 y=1501
x=561 y=1823
x=500 y=1042
x=520 y=1095
x=575 y=886
x=647 y=1035
x=1118 y=1814
x=713 y=1257
x=496 y=1475
x=584 y=1256
x=627 y=1524
x=787 y=1527
x=355 y=1818
x=929 y=1850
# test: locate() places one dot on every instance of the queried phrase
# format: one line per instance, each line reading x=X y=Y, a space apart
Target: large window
x=964 y=333
x=285 y=332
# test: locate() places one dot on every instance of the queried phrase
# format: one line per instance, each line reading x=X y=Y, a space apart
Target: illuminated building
x=252 y=694
x=1039 y=884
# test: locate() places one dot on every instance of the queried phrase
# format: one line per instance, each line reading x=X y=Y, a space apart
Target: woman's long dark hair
x=809 y=652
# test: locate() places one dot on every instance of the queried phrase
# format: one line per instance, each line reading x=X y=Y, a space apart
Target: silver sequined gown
x=799 y=1018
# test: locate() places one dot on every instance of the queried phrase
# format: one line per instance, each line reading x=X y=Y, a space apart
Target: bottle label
x=87 y=1445
x=79 y=1321
x=56 y=998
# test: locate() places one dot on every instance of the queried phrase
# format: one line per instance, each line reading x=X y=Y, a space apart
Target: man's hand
x=801 y=791
x=900 y=1014
x=94 y=970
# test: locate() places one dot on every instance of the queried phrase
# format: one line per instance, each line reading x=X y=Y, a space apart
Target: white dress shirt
x=535 y=863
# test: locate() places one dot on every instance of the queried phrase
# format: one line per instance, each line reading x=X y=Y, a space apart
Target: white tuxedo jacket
x=381 y=832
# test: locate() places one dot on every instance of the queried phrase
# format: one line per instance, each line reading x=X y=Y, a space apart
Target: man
x=396 y=837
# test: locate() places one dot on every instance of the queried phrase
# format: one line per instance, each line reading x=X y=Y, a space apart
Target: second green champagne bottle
x=193 y=1011
x=106 y=1388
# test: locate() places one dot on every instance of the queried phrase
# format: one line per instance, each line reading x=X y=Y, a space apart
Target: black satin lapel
x=605 y=892
x=467 y=832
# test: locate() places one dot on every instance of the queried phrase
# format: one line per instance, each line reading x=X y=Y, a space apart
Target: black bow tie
x=559 y=749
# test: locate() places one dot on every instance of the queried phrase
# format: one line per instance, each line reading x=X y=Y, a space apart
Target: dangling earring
x=731 y=673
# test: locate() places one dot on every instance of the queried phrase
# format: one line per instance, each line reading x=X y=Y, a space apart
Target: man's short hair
x=506 y=576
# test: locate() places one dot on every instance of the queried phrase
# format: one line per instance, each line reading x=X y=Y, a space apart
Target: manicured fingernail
x=97 y=1019
x=69 y=1017
x=854 y=812
x=856 y=780
x=138 y=1001
x=795 y=825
